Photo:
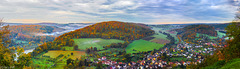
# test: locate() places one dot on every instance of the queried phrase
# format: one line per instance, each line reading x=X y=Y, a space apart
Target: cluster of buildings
x=184 y=50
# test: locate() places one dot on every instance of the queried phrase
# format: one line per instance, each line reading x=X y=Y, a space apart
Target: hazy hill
x=203 y=29
x=28 y=35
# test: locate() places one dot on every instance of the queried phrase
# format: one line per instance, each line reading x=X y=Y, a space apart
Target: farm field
x=67 y=48
x=174 y=34
x=161 y=38
x=221 y=34
x=110 y=50
x=158 y=37
x=41 y=62
x=84 y=43
x=54 y=60
x=56 y=53
x=142 y=45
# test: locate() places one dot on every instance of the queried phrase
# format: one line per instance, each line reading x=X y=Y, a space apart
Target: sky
x=138 y=11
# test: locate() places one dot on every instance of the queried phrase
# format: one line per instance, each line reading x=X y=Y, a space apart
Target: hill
x=190 y=32
x=203 y=29
x=219 y=26
x=29 y=29
x=111 y=30
x=25 y=35
x=105 y=30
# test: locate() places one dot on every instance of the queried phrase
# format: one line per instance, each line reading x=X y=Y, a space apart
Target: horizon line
x=125 y=21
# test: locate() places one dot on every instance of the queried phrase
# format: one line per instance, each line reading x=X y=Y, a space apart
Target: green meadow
x=84 y=43
x=142 y=45
x=55 y=59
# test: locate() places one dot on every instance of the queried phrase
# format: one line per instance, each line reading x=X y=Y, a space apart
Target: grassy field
x=159 y=35
x=232 y=64
x=68 y=48
x=84 y=43
x=56 y=53
x=42 y=62
x=142 y=45
x=20 y=41
x=221 y=34
x=211 y=37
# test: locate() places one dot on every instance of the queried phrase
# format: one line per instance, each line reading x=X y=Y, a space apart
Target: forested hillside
x=110 y=30
x=203 y=29
x=227 y=57
x=106 y=30
x=189 y=33
x=27 y=35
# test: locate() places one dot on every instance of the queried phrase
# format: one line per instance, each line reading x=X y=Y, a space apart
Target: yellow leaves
x=124 y=59
x=220 y=55
x=26 y=67
x=20 y=50
x=98 y=56
x=91 y=55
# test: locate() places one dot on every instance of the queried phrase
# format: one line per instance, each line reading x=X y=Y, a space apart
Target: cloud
x=27 y=20
x=146 y=11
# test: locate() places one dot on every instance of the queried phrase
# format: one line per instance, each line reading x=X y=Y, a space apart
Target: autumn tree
x=231 y=51
x=76 y=47
x=6 y=55
x=233 y=32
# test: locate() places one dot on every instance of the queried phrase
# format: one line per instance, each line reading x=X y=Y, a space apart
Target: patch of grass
x=142 y=45
x=110 y=50
x=211 y=37
x=59 y=65
x=20 y=41
x=221 y=34
x=68 y=48
x=175 y=53
x=41 y=63
x=158 y=35
x=233 y=64
x=92 y=67
x=84 y=43
x=162 y=36
x=56 y=53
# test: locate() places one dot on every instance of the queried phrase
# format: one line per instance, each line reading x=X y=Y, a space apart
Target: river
x=25 y=51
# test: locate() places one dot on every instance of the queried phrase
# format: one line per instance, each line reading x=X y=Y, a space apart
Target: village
x=191 y=52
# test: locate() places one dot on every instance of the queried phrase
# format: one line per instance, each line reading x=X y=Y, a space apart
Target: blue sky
x=139 y=11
